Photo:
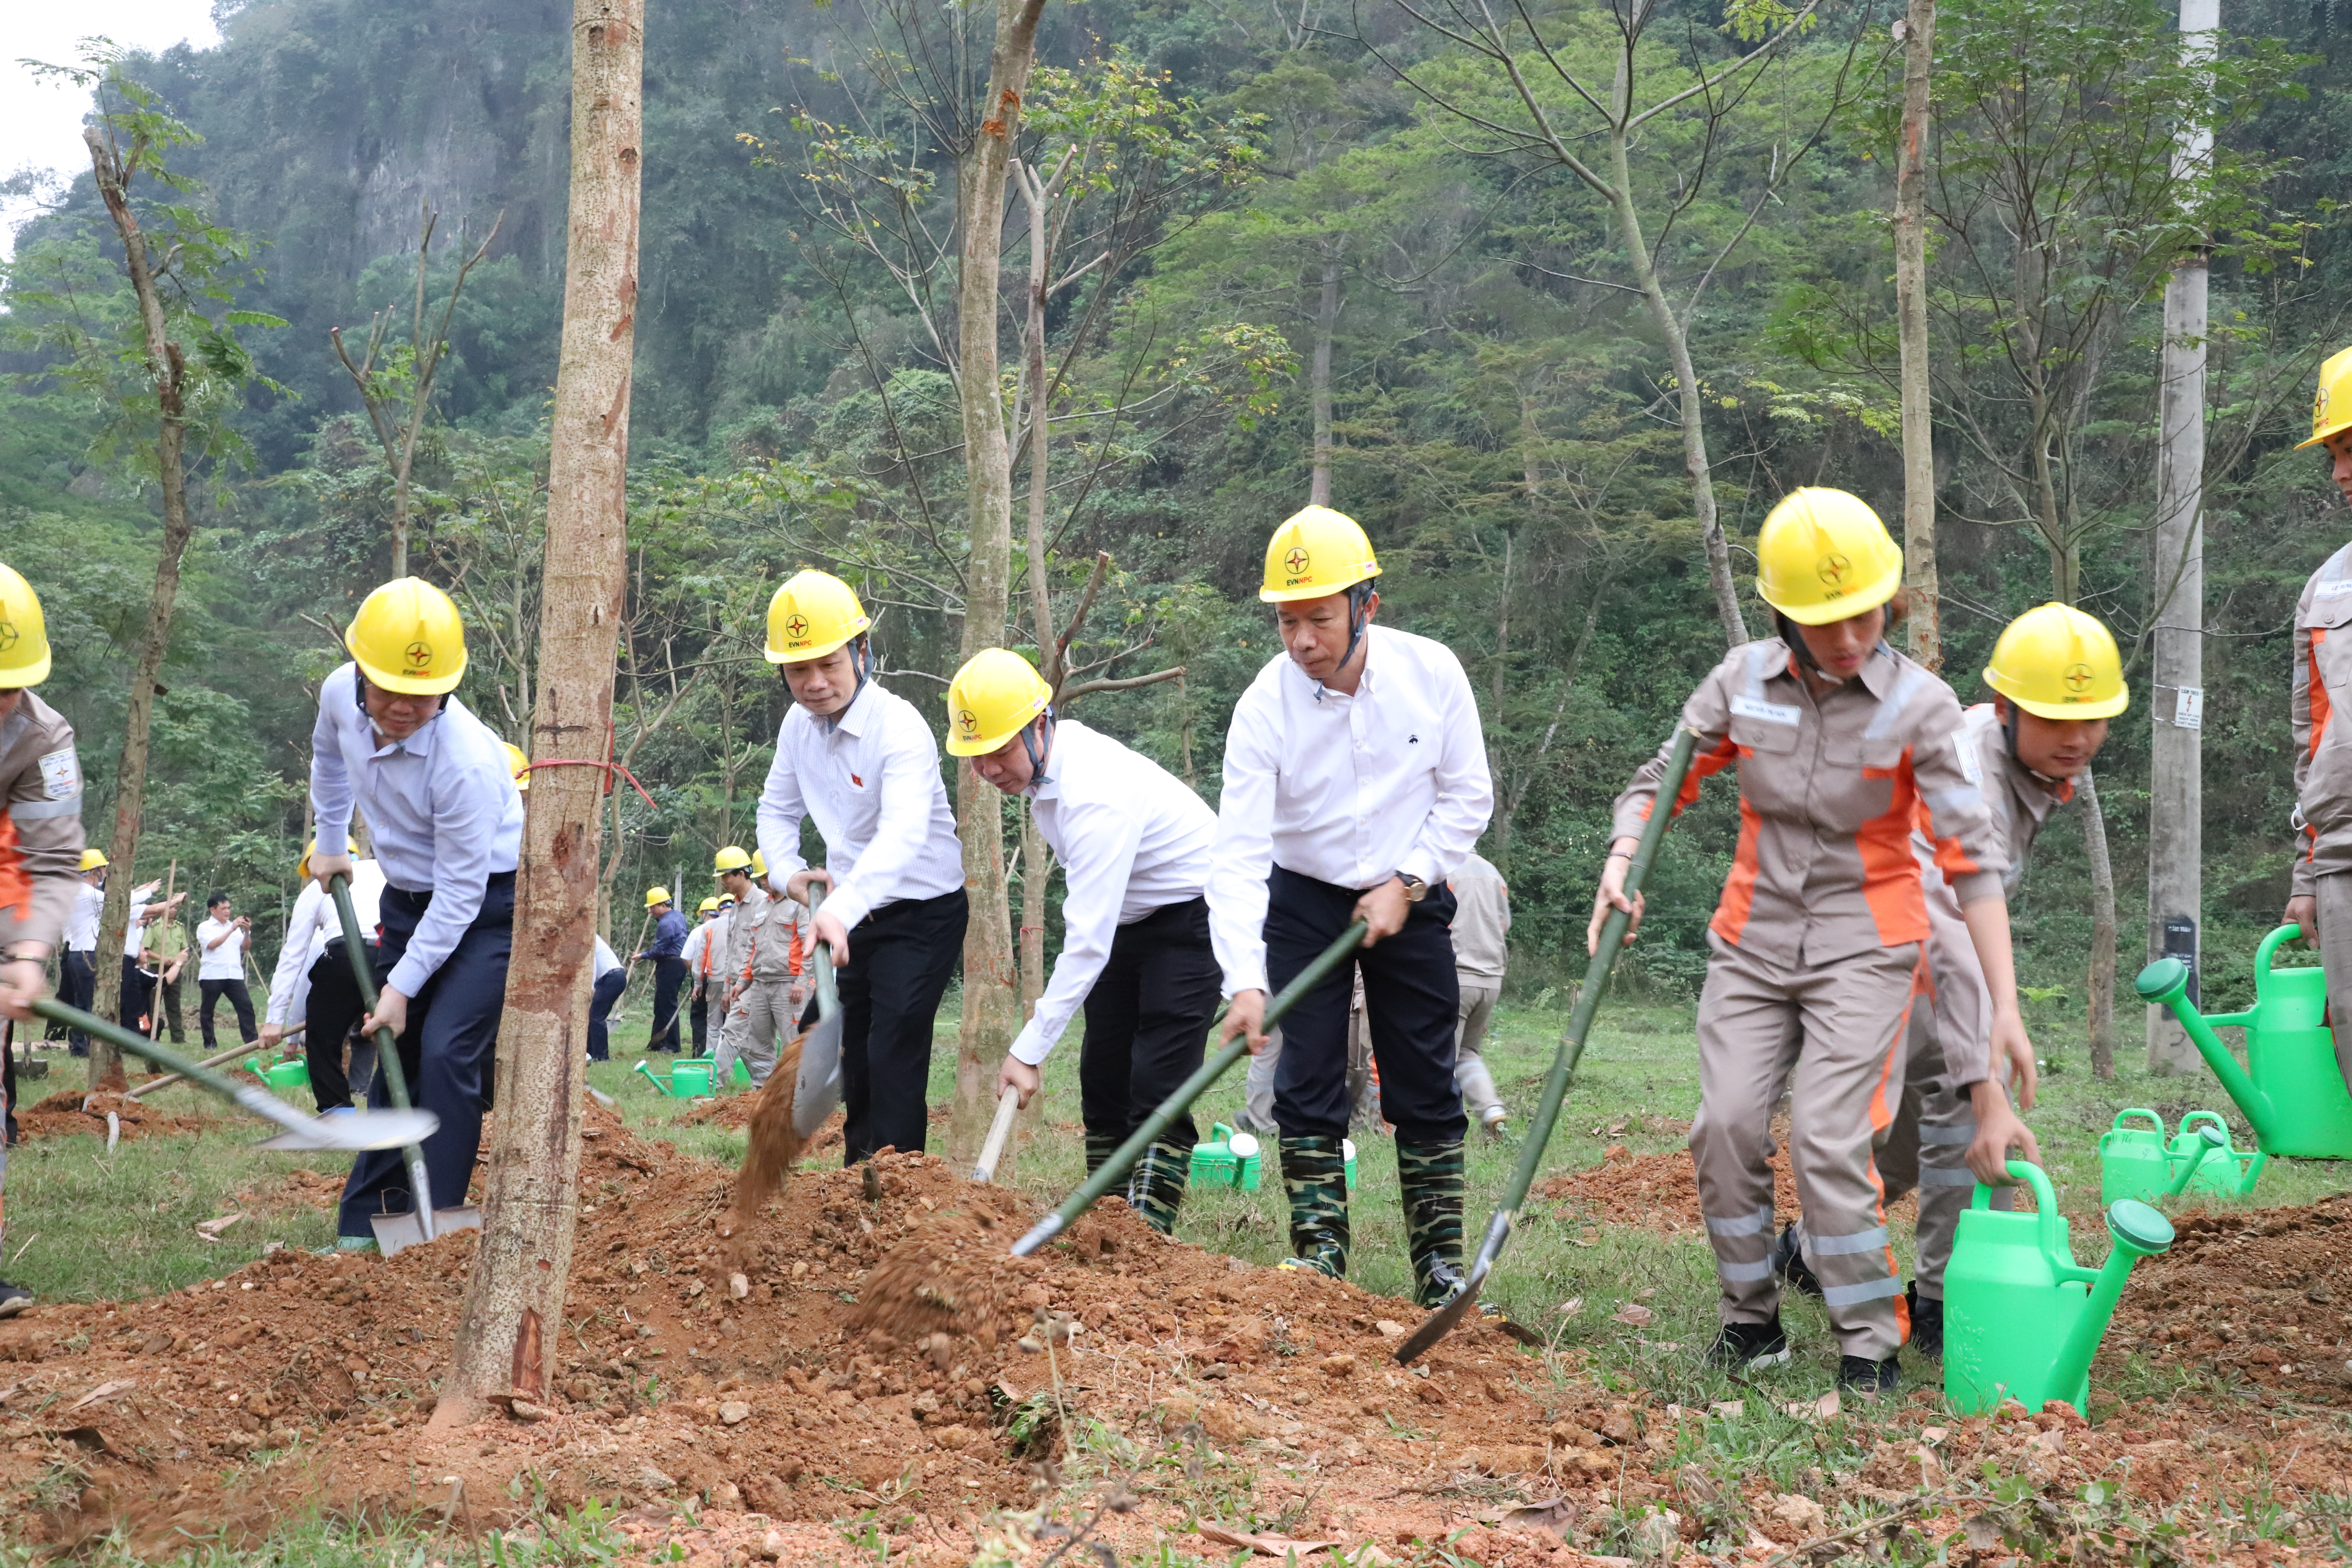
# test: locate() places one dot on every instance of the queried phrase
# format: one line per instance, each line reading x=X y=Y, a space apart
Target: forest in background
x=1292 y=251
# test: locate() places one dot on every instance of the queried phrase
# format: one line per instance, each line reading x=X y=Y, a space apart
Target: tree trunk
x=1502 y=637
x=2176 y=839
x=510 y=1334
x=991 y=988
x=1687 y=383
x=1924 y=626
x=1327 y=320
x=2103 y=929
x=167 y=371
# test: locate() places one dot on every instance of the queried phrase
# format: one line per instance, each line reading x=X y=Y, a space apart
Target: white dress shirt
x=225 y=961
x=608 y=959
x=1131 y=838
x=309 y=929
x=871 y=779
x=442 y=809
x=134 y=932
x=1347 y=790
x=697 y=948
x=81 y=932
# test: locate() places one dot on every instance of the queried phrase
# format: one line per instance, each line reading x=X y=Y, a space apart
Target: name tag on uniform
x=60 y=775
x=2341 y=586
x=1770 y=712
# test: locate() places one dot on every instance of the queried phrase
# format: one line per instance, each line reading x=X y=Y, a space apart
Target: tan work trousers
x=1836 y=1033
x=762 y=1015
x=2333 y=892
x=1470 y=1073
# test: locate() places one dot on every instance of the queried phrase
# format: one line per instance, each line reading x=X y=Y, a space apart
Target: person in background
x=220 y=944
x=41 y=837
x=139 y=964
x=77 y=968
x=169 y=940
x=767 y=945
x=670 y=972
x=699 y=961
x=1482 y=923
x=2319 y=894
x=313 y=981
x=612 y=977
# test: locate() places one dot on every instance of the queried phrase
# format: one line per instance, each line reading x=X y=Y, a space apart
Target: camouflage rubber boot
x=1315 y=1176
x=1100 y=1146
x=1429 y=1177
x=1155 y=1188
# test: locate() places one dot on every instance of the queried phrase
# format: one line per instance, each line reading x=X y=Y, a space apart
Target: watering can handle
x=2220 y=1125
x=2139 y=1110
x=2270 y=944
x=2045 y=1202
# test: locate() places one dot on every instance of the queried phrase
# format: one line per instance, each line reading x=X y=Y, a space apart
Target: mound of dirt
x=1655 y=1192
x=62 y=1114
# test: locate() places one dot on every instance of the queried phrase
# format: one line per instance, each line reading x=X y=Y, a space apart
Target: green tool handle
x=387 y=1048
x=828 y=990
x=1113 y=1170
x=258 y=1101
x=1588 y=1002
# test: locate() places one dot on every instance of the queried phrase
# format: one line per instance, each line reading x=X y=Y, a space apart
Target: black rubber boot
x=1867 y=1379
x=1746 y=1347
x=1788 y=1262
x=1155 y=1188
x=1100 y=1146
x=1926 y=1321
x=1315 y=1178
x=1429 y=1178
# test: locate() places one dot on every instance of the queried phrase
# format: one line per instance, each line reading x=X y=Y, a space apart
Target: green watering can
x=2205 y=1160
x=1229 y=1159
x=288 y=1072
x=688 y=1079
x=2291 y=1089
x=2021 y=1321
x=2136 y=1162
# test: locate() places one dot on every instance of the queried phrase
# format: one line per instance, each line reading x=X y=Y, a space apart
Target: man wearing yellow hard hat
x=2320 y=893
x=1134 y=842
x=41 y=849
x=445 y=820
x=1355 y=781
x=860 y=760
x=666 y=953
x=1840 y=744
x=313 y=985
x=2057 y=680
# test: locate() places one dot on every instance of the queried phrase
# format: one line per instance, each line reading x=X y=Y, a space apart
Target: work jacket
x=2323 y=757
x=764 y=938
x=40 y=831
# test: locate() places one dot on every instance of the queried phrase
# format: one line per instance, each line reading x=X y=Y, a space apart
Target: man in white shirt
x=612 y=979
x=861 y=761
x=1355 y=783
x=447 y=823
x=140 y=962
x=221 y=937
x=1134 y=844
x=700 y=958
x=78 y=967
x=313 y=981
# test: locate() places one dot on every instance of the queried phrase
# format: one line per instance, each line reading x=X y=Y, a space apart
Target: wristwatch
x=1415 y=890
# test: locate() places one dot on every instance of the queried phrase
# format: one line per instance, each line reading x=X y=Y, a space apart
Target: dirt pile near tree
x=1655 y=1191
x=63 y=1115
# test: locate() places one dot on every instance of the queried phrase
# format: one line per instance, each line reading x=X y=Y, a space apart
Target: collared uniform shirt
x=1829 y=791
x=1482 y=918
x=1131 y=838
x=312 y=925
x=670 y=936
x=767 y=939
x=40 y=831
x=1350 y=790
x=225 y=961
x=872 y=781
x=2322 y=755
x=442 y=809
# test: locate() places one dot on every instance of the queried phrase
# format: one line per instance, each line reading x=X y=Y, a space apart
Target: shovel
x=423 y=1223
x=357 y=1131
x=998 y=1131
x=1563 y=1062
x=818 y=1089
x=1114 y=1170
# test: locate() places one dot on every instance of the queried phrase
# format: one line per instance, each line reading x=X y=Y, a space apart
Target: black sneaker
x=14 y=1298
x=1745 y=1347
x=1788 y=1263
x=1926 y=1321
x=1867 y=1379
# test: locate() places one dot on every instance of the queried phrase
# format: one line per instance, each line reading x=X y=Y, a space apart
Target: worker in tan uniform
x=766 y=943
x=2057 y=680
x=41 y=837
x=1840 y=743
x=2320 y=893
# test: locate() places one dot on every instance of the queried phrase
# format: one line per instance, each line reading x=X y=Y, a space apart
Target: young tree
x=512 y=1322
x=1924 y=626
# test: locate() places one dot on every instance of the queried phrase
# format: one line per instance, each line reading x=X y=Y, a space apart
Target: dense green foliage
x=1503 y=418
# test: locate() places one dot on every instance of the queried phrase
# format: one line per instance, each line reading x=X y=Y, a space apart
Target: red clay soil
x=62 y=1114
x=1655 y=1192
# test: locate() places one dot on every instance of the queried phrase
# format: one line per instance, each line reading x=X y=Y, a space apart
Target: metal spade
x=817 y=1089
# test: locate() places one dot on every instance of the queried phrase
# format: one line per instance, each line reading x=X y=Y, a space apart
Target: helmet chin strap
x=1358 y=595
x=1037 y=741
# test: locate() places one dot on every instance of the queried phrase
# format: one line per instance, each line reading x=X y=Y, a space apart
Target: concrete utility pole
x=2176 y=700
x=1925 y=626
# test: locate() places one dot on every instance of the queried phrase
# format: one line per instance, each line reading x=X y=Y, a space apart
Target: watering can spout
x=2164 y=983
x=2138 y=1231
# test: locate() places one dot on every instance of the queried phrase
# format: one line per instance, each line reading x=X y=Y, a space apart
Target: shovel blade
x=397 y=1232
x=818 y=1088
x=356 y=1130
x=1440 y=1323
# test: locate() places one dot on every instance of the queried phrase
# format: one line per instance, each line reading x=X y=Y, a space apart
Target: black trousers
x=168 y=992
x=670 y=976
x=329 y=1017
x=212 y=991
x=901 y=957
x=697 y=1017
x=138 y=997
x=1148 y=1020
x=1412 y=1001
x=77 y=987
x=606 y=991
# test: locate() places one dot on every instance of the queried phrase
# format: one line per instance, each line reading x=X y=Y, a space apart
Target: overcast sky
x=40 y=123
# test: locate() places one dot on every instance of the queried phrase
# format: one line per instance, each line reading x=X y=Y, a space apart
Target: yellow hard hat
x=302 y=866
x=1823 y=555
x=758 y=864
x=92 y=859
x=992 y=699
x=1316 y=553
x=408 y=637
x=707 y=906
x=730 y=858
x=24 y=633
x=728 y=903
x=811 y=616
x=657 y=896
x=2331 y=405
x=520 y=762
x=2060 y=663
